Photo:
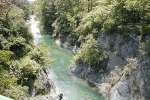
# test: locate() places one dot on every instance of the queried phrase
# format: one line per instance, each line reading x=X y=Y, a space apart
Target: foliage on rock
x=132 y=64
x=90 y=53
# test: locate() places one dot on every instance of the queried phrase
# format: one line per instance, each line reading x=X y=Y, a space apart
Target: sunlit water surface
x=72 y=87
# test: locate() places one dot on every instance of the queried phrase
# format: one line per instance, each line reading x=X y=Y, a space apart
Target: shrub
x=114 y=76
x=132 y=64
x=41 y=54
x=90 y=52
x=5 y=55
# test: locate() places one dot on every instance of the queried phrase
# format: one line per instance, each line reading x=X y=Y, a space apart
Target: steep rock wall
x=118 y=83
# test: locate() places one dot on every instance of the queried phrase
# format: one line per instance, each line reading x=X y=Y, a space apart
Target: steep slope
x=127 y=74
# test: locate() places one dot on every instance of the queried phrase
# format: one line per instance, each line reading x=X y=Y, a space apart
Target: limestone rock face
x=130 y=84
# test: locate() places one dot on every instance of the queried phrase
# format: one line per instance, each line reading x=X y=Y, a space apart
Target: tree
x=90 y=53
x=17 y=68
x=46 y=13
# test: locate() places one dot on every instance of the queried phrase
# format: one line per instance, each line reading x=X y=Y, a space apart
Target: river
x=72 y=87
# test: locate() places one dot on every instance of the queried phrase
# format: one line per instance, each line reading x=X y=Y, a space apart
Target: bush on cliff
x=91 y=53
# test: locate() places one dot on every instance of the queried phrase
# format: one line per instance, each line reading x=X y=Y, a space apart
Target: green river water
x=72 y=87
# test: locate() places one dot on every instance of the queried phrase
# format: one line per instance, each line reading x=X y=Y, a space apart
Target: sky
x=31 y=0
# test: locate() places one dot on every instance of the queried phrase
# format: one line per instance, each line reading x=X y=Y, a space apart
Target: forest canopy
x=73 y=20
x=19 y=65
x=82 y=17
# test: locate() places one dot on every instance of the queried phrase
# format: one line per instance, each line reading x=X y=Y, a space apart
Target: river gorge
x=72 y=87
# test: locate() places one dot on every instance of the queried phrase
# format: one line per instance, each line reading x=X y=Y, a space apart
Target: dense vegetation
x=20 y=60
x=78 y=18
x=82 y=17
x=90 y=53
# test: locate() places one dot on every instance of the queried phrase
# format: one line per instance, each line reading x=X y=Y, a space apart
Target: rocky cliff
x=43 y=88
x=127 y=75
